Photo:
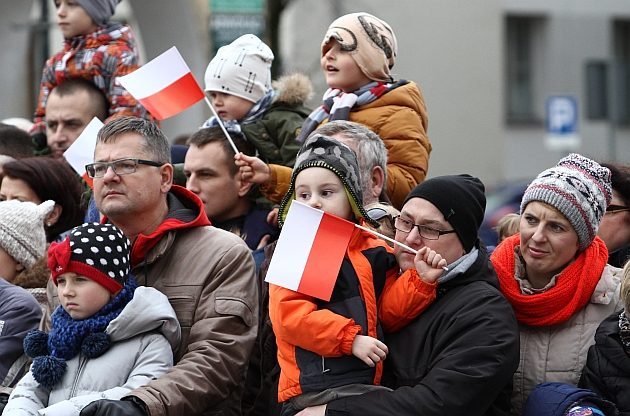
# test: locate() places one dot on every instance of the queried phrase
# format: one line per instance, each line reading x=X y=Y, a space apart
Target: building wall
x=576 y=32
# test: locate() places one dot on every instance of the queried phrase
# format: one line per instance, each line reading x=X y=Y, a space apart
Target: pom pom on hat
x=579 y=188
x=242 y=68
x=22 y=233
x=97 y=251
x=370 y=41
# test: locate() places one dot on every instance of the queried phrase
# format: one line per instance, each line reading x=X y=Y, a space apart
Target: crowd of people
x=140 y=290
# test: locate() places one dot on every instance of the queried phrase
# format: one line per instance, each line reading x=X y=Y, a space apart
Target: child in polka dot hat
x=107 y=337
x=99 y=252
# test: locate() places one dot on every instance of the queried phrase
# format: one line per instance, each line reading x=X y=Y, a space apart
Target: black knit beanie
x=462 y=201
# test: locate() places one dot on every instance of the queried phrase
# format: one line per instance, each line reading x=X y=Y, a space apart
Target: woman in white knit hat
x=22 y=243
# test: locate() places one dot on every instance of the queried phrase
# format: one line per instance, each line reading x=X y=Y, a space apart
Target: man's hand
x=113 y=408
x=429 y=264
x=369 y=350
x=313 y=411
x=252 y=169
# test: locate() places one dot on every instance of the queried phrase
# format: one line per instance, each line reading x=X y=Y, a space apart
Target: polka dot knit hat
x=99 y=252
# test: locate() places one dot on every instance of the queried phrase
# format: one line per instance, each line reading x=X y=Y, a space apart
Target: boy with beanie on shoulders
x=328 y=350
x=357 y=55
x=94 y=49
x=108 y=336
x=269 y=115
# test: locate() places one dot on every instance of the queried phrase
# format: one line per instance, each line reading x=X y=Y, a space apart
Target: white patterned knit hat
x=242 y=68
x=579 y=188
x=99 y=252
x=22 y=233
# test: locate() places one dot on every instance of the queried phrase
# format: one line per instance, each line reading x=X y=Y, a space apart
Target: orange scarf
x=573 y=289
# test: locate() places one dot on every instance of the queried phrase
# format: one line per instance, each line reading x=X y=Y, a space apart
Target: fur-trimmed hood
x=35 y=276
x=293 y=89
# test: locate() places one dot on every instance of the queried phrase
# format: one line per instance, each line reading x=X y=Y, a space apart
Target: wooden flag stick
x=384 y=237
x=227 y=135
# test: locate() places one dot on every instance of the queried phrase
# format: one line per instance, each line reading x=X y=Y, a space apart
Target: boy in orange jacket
x=328 y=350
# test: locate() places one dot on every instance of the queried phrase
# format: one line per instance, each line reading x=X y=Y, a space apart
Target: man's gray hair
x=155 y=142
x=371 y=150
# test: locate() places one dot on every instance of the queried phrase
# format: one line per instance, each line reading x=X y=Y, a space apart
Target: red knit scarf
x=573 y=289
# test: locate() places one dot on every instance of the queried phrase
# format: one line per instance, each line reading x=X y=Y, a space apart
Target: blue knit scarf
x=69 y=337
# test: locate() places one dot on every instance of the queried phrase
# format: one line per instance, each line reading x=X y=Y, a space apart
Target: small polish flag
x=164 y=86
x=81 y=152
x=309 y=252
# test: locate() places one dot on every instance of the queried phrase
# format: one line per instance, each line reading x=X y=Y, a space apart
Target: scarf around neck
x=573 y=290
x=69 y=337
x=338 y=104
x=234 y=126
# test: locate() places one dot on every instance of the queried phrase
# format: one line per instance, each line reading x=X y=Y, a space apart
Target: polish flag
x=309 y=252
x=165 y=86
x=81 y=152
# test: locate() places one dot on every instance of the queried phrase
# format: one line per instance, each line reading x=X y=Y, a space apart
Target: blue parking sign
x=562 y=120
x=561 y=115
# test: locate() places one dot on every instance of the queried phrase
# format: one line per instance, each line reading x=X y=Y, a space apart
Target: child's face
x=80 y=296
x=73 y=20
x=230 y=107
x=321 y=188
x=340 y=70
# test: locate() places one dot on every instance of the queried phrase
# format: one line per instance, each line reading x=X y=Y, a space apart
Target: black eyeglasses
x=611 y=209
x=404 y=225
x=120 y=167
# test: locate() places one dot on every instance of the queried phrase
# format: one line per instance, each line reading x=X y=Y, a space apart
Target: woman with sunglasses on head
x=615 y=226
x=554 y=273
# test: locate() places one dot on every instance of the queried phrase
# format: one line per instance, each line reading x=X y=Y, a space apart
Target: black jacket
x=607 y=369
x=457 y=358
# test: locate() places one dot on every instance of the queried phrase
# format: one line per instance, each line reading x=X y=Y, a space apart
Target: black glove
x=128 y=407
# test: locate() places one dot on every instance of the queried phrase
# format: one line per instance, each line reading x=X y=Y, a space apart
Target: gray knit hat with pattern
x=579 y=188
x=325 y=152
x=22 y=233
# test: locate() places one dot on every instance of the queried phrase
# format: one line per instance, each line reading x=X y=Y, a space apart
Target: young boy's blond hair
x=507 y=226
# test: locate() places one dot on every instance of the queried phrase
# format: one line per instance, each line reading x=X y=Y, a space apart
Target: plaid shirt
x=100 y=57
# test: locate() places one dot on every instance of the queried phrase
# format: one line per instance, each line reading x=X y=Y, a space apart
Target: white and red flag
x=81 y=152
x=164 y=86
x=309 y=252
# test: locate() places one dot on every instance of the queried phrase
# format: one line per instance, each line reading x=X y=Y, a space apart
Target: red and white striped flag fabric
x=164 y=86
x=309 y=252
x=81 y=152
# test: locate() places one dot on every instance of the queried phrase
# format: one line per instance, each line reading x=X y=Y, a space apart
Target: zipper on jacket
x=324 y=369
x=82 y=363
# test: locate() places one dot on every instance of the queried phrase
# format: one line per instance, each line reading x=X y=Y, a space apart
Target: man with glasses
x=207 y=274
x=459 y=355
x=614 y=228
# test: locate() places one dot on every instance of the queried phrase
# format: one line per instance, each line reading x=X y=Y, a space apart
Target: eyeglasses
x=611 y=209
x=429 y=233
x=120 y=167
